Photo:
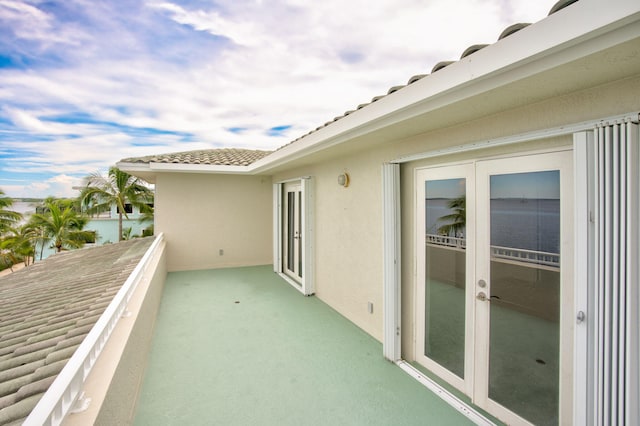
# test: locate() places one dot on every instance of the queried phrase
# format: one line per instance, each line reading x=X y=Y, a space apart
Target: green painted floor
x=242 y=347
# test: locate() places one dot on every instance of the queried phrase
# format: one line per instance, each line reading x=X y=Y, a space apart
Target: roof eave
x=149 y=170
x=577 y=31
x=581 y=29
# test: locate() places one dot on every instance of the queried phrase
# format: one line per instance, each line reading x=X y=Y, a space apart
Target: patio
x=240 y=346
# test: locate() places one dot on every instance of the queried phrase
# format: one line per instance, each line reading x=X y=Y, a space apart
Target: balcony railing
x=65 y=393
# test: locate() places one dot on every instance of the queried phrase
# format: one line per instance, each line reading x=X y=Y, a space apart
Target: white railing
x=66 y=390
x=497 y=252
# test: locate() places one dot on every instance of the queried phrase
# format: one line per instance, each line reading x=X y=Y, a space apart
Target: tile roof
x=46 y=311
x=212 y=157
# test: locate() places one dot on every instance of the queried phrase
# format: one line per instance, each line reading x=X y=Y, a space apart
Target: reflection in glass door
x=525 y=294
x=519 y=273
x=442 y=283
x=489 y=289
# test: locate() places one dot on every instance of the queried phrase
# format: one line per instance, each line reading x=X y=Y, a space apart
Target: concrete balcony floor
x=242 y=347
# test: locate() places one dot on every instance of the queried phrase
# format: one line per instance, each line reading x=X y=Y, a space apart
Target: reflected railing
x=497 y=252
x=447 y=241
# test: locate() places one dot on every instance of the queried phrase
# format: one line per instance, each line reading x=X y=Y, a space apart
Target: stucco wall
x=202 y=214
x=601 y=102
x=348 y=271
x=348 y=252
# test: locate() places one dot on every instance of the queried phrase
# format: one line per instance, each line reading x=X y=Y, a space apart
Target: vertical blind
x=616 y=274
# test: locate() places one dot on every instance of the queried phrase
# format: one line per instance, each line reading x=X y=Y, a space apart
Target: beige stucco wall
x=348 y=243
x=202 y=214
x=601 y=102
x=347 y=260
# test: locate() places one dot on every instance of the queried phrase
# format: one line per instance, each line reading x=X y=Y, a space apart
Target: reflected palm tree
x=456 y=220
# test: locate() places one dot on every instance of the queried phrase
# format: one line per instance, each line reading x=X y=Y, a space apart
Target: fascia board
x=585 y=27
x=133 y=167
x=180 y=168
x=197 y=168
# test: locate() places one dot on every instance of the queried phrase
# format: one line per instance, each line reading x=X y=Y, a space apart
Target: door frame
x=567 y=353
x=557 y=160
x=305 y=283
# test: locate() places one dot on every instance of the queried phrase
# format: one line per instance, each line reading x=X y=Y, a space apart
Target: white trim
x=455 y=402
x=633 y=275
x=308 y=286
x=583 y=281
x=520 y=138
x=391 y=343
x=277 y=227
x=198 y=168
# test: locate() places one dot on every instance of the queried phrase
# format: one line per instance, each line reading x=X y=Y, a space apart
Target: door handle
x=482 y=297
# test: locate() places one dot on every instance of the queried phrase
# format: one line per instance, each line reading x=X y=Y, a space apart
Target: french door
x=293 y=208
x=292 y=230
x=494 y=258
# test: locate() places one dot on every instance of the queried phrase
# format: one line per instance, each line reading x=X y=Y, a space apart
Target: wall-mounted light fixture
x=343 y=179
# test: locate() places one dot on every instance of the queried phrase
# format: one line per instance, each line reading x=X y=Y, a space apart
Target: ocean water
x=23 y=207
x=530 y=224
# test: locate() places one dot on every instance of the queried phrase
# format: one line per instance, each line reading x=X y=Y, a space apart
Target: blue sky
x=85 y=83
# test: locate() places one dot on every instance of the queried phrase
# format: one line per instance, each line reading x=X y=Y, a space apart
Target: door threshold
x=295 y=284
x=467 y=410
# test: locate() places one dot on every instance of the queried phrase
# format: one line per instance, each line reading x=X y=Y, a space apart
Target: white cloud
x=59 y=185
x=31 y=23
x=123 y=93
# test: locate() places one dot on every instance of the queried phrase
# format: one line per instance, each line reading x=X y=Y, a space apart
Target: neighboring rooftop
x=46 y=311
x=213 y=157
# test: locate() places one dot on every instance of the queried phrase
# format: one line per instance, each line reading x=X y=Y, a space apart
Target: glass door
x=292 y=229
x=521 y=286
x=493 y=283
x=445 y=201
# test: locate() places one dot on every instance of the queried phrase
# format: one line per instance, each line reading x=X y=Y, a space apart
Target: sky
x=86 y=83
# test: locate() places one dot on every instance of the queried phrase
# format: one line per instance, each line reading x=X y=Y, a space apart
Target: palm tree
x=118 y=188
x=457 y=220
x=61 y=223
x=16 y=246
x=7 y=217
